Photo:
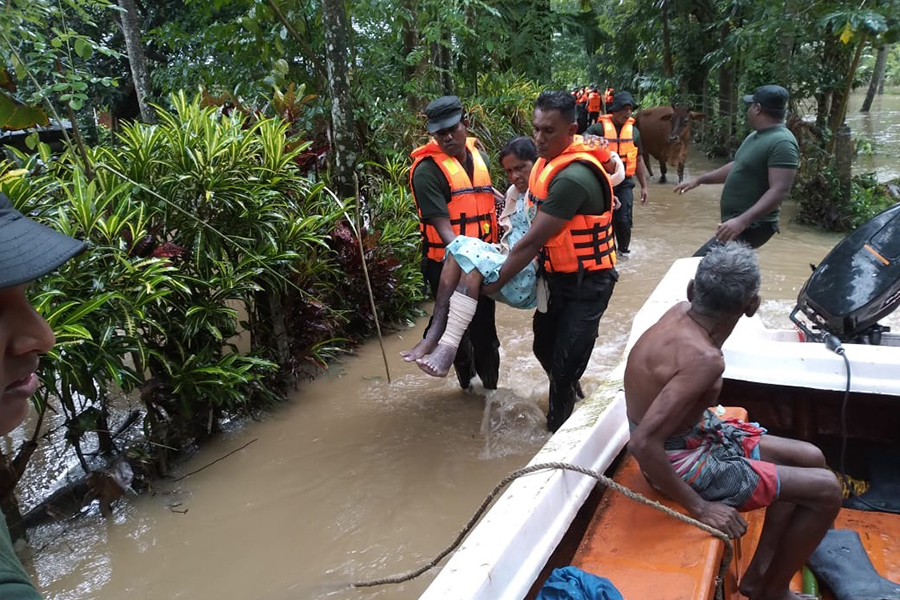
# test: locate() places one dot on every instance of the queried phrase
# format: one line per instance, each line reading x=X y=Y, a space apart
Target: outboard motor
x=855 y=285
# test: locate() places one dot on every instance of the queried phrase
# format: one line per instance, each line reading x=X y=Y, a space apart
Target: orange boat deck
x=649 y=555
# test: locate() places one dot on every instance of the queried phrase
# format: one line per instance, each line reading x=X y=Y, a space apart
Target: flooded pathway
x=357 y=479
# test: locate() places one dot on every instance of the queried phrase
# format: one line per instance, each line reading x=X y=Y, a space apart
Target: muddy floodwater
x=356 y=478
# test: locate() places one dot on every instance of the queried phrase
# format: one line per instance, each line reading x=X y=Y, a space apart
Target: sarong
x=720 y=461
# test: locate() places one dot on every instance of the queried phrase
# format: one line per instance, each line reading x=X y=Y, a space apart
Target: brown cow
x=666 y=135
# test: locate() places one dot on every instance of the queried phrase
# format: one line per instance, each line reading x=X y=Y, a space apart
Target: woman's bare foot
x=437 y=364
x=423 y=348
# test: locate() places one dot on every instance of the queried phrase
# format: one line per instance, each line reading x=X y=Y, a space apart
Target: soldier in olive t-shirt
x=749 y=177
x=759 y=178
x=563 y=344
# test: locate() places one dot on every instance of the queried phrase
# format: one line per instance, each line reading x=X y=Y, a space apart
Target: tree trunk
x=472 y=59
x=668 y=69
x=822 y=107
x=343 y=144
x=725 y=125
x=543 y=71
x=843 y=152
x=786 y=44
x=131 y=29
x=13 y=515
x=104 y=435
x=877 y=78
x=835 y=60
x=446 y=64
x=411 y=72
x=839 y=112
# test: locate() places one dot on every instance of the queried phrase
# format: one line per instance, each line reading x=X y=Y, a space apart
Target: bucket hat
x=29 y=249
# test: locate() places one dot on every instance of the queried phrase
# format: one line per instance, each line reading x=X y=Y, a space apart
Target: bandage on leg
x=462 y=310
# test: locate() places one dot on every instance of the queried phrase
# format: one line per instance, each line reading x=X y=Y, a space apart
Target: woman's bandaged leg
x=462 y=309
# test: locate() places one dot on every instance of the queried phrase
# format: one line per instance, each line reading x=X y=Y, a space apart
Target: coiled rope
x=603 y=479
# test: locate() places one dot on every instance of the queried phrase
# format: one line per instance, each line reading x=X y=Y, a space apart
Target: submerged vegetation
x=201 y=227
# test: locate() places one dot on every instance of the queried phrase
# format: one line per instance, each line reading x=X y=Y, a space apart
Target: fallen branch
x=215 y=461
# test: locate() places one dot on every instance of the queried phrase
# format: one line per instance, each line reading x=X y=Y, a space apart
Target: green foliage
x=868 y=198
x=193 y=223
x=818 y=189
x=863 y=146
x=14 y=114
x=892 y=68
x=848 y=20
x=502 y=110
x=53 y=61
x=392 y=214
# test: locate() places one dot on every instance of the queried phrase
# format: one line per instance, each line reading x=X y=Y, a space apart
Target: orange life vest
x=593 y=102
x=586 y=242
x=621 y=143
x=609 y=95
x=471 y=205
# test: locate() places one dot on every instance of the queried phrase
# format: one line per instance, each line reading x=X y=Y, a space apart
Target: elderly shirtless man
x=715 y=469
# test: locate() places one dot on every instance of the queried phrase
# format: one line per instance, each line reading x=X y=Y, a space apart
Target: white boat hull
x=505 y=553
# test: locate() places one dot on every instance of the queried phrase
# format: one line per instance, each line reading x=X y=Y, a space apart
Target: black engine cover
x=859 y=281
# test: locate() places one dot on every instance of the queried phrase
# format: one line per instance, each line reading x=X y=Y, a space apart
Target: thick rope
x=603 y=479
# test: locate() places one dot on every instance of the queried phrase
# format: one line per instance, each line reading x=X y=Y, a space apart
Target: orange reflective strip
x=877 y=255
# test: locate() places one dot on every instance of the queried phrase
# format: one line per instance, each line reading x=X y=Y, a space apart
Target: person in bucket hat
x=760 y=176
x=28 y=250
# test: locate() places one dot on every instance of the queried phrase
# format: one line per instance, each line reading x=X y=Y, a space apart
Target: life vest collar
x=471 y=206
x=586 y=242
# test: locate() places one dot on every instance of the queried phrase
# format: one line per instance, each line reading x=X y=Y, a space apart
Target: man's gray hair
x=726 y=280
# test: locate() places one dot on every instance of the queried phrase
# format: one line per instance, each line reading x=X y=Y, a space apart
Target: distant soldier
x=608 y=98
x=624 y=139
x=593 y=106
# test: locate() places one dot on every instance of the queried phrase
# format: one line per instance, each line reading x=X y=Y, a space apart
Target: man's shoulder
x=767 y=142
x=775 y=135
x=426 y=169
x=595 y=129
x=782 y=149
x=579 y=172
x=786 y=136
x=427 y=163
x=679 y=335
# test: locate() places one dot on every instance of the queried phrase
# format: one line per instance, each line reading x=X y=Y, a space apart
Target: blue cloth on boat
x=571 y=583
x=473 y=253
